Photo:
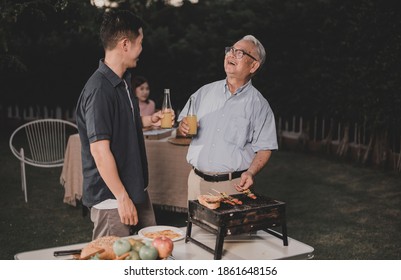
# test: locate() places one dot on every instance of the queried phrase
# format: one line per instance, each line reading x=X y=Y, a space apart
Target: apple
x=148 y=252
x=133 y=255
x=137 y=245
x=95 y=257
x=164 y=246
x=121 y=246
x=132 y=241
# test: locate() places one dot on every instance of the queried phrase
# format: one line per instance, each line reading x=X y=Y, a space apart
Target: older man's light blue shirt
x=232 y=128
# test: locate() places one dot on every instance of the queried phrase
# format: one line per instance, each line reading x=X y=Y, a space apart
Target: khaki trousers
x=107 y=222
x=198 y=186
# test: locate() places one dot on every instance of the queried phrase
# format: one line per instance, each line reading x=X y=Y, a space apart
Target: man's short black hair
x=118 y=24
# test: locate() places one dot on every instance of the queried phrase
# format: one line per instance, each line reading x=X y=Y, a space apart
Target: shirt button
x=218 y=130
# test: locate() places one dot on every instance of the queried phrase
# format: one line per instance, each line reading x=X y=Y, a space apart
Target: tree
x=337 y=59
x=44 y=43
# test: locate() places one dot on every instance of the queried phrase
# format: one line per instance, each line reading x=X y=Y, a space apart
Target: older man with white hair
x=236 y=126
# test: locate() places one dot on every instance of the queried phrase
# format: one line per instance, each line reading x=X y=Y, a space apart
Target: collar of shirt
x=114 y=79
x=238 y=91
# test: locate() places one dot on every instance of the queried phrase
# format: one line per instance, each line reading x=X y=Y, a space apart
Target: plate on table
x=181 y=141
x=150 y=233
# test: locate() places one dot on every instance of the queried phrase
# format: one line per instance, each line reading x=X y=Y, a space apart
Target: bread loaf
x=104 y=242
x=209 y=201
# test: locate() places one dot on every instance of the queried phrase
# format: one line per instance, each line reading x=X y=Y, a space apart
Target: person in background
x=141 y=88
x=114 y=162
x=236 y=126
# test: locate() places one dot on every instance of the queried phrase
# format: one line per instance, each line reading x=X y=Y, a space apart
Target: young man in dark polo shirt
x=114 y=160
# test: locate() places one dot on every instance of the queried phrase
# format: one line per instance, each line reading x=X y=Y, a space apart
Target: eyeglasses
x=238 y=54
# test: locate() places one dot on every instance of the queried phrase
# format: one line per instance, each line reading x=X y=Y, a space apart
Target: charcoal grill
x=262 y=213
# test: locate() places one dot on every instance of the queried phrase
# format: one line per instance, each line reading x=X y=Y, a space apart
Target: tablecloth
x=71 y=174
x=168 y=173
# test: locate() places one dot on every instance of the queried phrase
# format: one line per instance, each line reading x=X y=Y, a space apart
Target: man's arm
x=260 y=160
x=107 y=167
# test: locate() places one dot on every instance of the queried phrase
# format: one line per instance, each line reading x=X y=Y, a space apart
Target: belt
x=218 y=177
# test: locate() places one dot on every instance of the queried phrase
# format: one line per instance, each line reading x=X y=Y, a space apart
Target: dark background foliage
x=333 y=58
x=325 y=57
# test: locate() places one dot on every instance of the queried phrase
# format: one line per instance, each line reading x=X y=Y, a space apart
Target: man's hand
x=246 y=180
x=127 y=210
x=259 y=161
x=183 y=127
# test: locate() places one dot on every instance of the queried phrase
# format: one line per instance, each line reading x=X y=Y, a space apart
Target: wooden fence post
x=314 y=129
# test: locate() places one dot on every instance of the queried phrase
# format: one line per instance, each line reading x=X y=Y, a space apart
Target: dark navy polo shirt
x=104 y=112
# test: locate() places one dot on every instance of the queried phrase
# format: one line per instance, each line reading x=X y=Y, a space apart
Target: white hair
x=259 y=48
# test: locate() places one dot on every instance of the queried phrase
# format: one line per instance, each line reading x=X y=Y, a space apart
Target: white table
x=260 y=246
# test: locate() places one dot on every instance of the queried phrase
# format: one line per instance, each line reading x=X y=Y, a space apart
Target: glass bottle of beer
x=191 y=118
x=166 y=110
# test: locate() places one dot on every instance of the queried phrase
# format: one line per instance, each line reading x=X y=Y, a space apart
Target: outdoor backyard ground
x=343 y=210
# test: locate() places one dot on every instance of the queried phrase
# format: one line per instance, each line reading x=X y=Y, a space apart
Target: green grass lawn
x=342 y=210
